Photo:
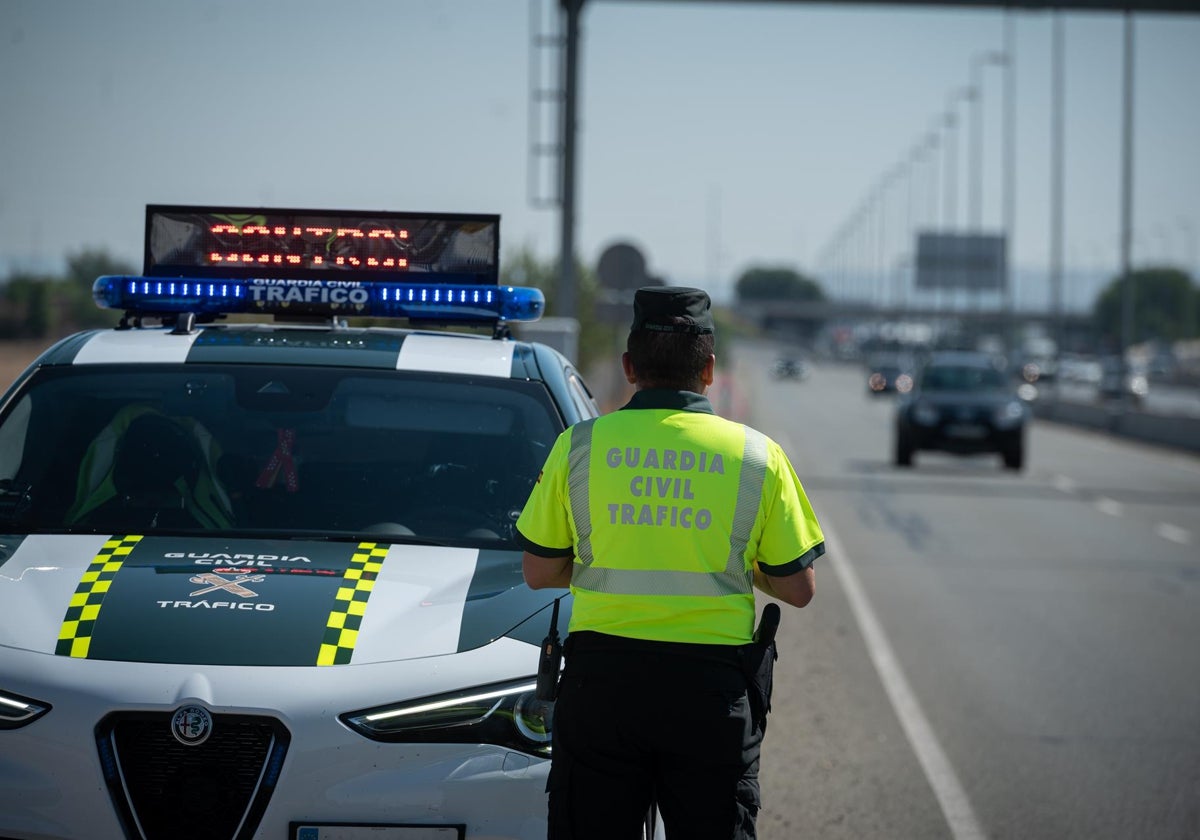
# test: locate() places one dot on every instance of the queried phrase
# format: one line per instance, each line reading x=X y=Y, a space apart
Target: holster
x=758 y=666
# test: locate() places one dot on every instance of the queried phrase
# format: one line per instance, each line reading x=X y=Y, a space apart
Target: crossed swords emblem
x=216 y=582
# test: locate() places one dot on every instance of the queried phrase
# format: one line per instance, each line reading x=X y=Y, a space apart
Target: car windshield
x=272 y=450
x=961 y=378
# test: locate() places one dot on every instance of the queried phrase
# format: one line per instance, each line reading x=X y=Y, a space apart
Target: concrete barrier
x=1175 y=432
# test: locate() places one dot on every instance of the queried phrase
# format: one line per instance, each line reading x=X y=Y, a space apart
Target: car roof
x=389 y=348
x=328 y=345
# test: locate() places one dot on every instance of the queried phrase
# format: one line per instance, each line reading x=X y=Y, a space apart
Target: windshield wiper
x=16 y=500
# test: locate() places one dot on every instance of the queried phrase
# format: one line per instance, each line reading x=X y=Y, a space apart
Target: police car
x=258 y=575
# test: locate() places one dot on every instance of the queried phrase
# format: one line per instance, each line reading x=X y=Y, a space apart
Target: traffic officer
x=661 y=518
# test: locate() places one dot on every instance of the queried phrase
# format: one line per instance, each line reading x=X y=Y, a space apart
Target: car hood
x=232 y=601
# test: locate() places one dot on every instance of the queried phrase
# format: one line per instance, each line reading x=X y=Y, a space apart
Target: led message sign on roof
x=231 y=242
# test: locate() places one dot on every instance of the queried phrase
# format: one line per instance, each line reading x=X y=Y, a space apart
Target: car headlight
x=505 y=714
x=1008 y=415
x=17 y=711
x=924 y=414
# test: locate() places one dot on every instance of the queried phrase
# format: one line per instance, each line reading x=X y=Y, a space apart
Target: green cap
x=655 y=308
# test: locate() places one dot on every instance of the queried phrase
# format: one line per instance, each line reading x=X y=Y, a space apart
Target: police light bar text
x=188 y=241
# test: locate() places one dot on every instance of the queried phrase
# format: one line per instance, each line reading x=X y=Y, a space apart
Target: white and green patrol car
x=258 y=576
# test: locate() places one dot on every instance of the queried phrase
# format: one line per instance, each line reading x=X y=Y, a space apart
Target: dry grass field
x=15 y=356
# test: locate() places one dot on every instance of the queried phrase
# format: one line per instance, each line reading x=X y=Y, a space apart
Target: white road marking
x=951 y=796
x=1110 y=506
x=1066 y=485
x=1173 y=533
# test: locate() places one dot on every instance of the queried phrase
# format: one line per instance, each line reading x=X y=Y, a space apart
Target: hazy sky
x=712 y=135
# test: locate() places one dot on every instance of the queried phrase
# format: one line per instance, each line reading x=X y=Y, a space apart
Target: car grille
x=964 y=414
x=167 y=790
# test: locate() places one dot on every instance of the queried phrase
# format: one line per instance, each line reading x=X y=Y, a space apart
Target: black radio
x=550 y=660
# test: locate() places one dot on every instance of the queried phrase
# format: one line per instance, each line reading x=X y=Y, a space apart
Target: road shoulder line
x=951 y=796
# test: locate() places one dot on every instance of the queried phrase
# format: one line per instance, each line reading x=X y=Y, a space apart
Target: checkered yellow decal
x=341 y=630
x=76 y=634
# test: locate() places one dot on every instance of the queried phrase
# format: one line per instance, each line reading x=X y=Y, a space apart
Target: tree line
x=44 y=306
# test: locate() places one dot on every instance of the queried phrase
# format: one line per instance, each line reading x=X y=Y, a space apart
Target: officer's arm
x=796 y=589
x=547 y=572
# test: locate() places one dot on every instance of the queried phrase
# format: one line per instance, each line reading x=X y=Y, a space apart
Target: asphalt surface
x=989 y=654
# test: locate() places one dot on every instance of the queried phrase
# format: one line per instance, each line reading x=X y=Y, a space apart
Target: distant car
x=789 y=368
x=888 y=375
x=1119 y=381
x=961 y=403
x=1080 y=369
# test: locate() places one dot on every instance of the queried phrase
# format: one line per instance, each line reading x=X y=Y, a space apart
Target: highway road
x=989 y=654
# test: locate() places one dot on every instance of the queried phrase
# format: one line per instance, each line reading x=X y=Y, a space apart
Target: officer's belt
x=590 y=641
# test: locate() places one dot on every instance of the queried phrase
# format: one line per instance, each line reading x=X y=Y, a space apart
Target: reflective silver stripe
x=658 y=582
x=736 y=579
x=749 y=499
x=578 y=469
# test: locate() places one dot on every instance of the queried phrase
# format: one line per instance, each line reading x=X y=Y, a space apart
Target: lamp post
x=1010 y=166
x=923 y=196
x=975 y=201
x=951 y=165
x=862 y=246
x=915 y=157
x=842 y=259
x=932 y=143
x=1058 y=105
x=975 y=184
x=885 y=186
x=879 y=208
x=951 y=121
x=1127 y=195
x=566 y=304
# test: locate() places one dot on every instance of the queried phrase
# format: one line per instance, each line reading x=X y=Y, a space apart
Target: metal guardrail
x=1122 y=419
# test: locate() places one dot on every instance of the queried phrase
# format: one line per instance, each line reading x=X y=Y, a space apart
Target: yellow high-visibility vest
x=205 y=499
x=667 y=511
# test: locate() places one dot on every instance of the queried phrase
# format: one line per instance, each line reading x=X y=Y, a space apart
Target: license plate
x=969 y=431
x=335 y=831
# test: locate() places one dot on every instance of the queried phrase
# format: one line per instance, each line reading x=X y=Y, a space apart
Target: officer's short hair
x=672 y=360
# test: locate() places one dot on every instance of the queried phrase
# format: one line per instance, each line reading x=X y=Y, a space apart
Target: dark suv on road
x=961 y=402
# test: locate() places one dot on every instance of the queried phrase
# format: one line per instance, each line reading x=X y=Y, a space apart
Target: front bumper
x=962 y=438
x=52 y=777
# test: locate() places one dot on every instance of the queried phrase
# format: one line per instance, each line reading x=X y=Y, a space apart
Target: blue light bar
x=436 y=301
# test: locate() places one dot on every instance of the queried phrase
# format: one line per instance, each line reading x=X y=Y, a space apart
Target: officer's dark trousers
x=638 y=723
